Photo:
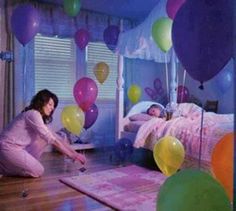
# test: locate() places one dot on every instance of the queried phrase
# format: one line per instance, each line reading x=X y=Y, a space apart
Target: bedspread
x=187 y=130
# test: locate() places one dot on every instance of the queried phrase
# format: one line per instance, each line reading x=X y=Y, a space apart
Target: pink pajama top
x=26 y=128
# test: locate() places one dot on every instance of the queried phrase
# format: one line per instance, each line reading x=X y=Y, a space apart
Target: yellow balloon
x=168 y=154
x=72 y=118
x=101 y=71
x=134 y=93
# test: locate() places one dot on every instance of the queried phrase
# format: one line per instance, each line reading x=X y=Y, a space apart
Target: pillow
x=140 y=117
x=133 y=126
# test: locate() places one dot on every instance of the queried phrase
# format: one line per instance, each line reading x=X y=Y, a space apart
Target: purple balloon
x=25 y=23
x=110 y=36
x=202 y=37
x=91 y=116
x=172 y=7
x=85 y=92
x=81 y=38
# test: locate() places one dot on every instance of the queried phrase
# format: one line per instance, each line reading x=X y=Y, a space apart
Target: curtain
x=138 y=43
x=6 y=69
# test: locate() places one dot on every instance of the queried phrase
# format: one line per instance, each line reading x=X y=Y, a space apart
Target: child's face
x=154 y=112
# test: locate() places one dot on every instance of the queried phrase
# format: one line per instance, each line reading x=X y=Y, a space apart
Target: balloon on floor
x=192 y=189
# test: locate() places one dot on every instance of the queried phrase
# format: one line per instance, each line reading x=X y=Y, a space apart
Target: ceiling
x=133 y=9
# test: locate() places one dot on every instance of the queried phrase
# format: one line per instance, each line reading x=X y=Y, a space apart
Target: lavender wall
x=143 y=73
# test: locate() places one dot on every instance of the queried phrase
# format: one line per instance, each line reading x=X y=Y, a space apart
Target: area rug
x=126 y=188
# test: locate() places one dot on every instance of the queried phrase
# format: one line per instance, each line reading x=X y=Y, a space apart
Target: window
x=98 y=52
x=55 y=65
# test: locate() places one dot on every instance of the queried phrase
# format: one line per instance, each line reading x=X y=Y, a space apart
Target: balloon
x=101 y=71
x=71 y=7
x=192 y=190
x=134 y=93
x=72 y=118
x=161 y=33
x=91 y=116
x=81 y=38
x=172 y=7
x=182 y=94
x=202 y=37
x=85 y=92
x=168 y=154
x=110 y=36
x=224 y=79
x=25 y=23
x=123 y=148
x=222 y=163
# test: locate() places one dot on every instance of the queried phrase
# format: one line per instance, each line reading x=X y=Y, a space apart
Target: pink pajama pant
x=16 y=161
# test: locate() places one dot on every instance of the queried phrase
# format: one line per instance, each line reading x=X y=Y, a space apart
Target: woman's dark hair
x=40 y=100
x=162 y=110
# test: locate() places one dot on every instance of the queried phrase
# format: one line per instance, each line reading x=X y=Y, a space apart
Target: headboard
x=141 y=107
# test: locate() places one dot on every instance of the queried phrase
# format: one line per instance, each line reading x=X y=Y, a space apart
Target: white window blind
x=98 y=52
x=55 y=65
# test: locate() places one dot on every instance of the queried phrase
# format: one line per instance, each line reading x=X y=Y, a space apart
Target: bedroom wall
x=143 y=73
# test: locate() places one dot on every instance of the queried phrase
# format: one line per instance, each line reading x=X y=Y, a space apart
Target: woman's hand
x=80 y=157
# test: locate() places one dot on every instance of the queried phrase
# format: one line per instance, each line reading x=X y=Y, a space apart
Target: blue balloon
x=224 y=79
x=123 y=149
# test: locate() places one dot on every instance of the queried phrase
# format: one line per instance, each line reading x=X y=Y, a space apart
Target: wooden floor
x=47 y=192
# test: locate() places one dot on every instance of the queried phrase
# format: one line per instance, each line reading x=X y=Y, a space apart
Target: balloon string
x=200 y=145
x=182 y=92
x=24 y=77
x=167 y=78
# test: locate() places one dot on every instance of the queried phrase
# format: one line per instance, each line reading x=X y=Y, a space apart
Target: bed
x=185 y=126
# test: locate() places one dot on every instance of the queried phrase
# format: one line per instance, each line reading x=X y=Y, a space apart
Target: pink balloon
x=81 y=38
x=182 y=94
x=85 y=93
x=25 y=23
x=172 y=7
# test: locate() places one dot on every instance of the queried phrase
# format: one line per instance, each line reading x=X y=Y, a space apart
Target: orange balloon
x=101 y=71
x=222 y=163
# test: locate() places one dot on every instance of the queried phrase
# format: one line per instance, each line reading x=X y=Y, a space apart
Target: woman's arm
x=66 y=149
x=34 y=120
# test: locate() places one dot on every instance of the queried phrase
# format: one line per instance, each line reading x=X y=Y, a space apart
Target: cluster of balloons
x=156 y=91
x=101 y=71
x=134 y=93
x=192 y=189
x=123 y=149
x=222 y=163
x=182 y=94
x=162 y=28
x=85 y=113
x=168 y=154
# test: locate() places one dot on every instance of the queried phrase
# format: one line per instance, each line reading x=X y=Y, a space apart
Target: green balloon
x=161 y=33
x=72 y=7
x=192 y=190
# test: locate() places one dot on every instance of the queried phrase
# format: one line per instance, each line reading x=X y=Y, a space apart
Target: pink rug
x=126 y=188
